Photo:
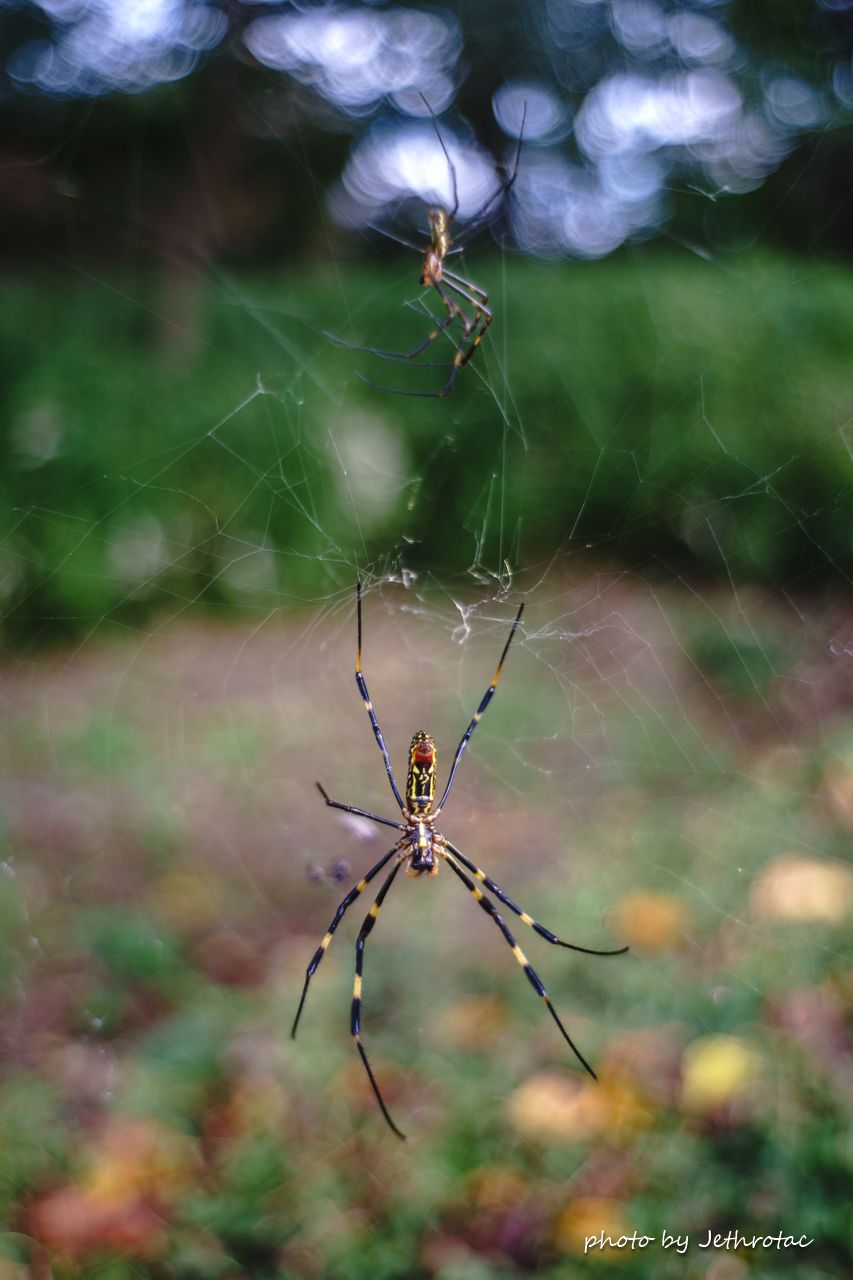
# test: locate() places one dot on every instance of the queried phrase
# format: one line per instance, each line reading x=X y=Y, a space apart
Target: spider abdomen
x=420 y=780
x=432 y=269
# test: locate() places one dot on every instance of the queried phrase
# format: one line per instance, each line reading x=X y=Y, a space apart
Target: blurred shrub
x=666 y=411
x=738 y=665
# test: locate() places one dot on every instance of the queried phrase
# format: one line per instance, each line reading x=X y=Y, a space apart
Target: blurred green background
x=651 y=448
x=664 y=411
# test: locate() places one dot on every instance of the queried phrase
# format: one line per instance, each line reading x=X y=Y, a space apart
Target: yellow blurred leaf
x=558 y=1108
x=589 y=1216
x=651 y=921
x=798 y=889
x=497 y=1187
x=717 y=1071
x=141 y=1158
x=474 y=1023
x=76 y=1221
x=187 y=900
x=624 y=1108
x=553 y=1107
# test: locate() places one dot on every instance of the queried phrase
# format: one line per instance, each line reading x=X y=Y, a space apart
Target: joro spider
x=436 y=275
x=420 y=848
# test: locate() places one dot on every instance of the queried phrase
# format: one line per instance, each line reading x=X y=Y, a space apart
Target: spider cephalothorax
x=421 y=849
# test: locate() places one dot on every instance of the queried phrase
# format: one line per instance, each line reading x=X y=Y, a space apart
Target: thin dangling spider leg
x=503 y=190
x=406 y=244
x=483 y=319
x=368 y=705
x=469 y=327
x=451 y=166
x=361 y=813
x=532 y=976
x=417 y=395
x=473 y=332
x=330 y=932
x=355 y=1016
x=478 y=714
x=452 y=278
x=522 y=915
x=440 y=326
x=460 y=358
x=389 y=235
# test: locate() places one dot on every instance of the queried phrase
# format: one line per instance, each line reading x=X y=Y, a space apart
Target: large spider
x=420 y=848
x=436 y=275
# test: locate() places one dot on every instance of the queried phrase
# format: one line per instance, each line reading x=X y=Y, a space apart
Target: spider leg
x=440 y=326
x=455 y=186
x=368 y=705
x=468 y=326
x=355 y=1017
x=523 y=916
x=483 y=319
x=361 y=813
x=478 y=714
x=389 y=235
x=503 y=190
x=463 y=351
x=398 y=391
x=532 y=976
x=329 y=934
x=455 y=279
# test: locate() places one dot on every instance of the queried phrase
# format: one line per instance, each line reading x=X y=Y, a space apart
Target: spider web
x=670 y=739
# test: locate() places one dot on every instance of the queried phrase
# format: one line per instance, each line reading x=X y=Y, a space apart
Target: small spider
x=421 y=848
x=436 y=275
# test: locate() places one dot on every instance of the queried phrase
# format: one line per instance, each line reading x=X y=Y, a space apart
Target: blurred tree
x=127 y=132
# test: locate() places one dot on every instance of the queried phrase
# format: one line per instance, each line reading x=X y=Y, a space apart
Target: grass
x=160 y=821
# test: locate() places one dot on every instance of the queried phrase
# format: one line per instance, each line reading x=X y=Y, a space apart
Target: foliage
x=148 y=465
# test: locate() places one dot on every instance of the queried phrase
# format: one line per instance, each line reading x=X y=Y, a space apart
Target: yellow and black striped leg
x=478 y=714
x=355 y=1019
x=522 y=915
x=468 y=327
x=361 y=813
x=532 y=976
x=330 y=932
x=368 y=705
x=482 y=312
